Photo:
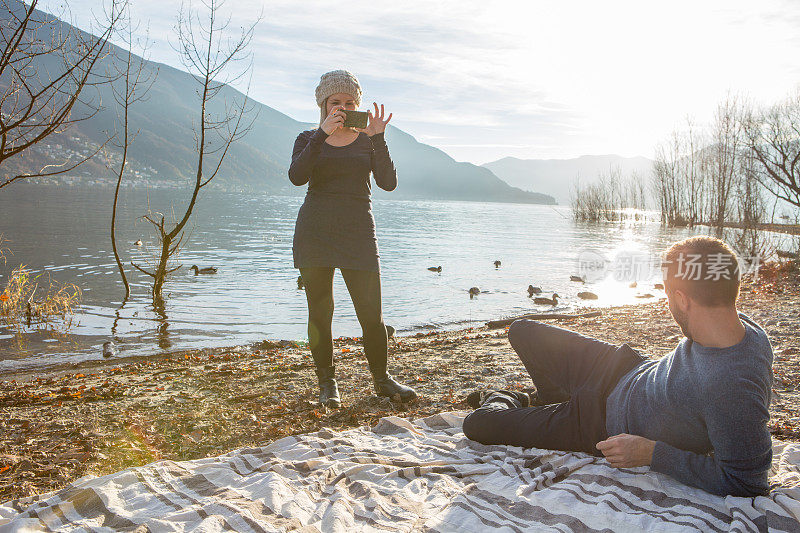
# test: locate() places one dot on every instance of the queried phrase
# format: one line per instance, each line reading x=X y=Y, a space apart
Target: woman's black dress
x=335 y=226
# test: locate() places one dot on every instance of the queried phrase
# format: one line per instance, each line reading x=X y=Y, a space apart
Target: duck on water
x=206 y=270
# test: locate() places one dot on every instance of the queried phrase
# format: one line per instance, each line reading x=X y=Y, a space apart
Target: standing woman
x=335 y=228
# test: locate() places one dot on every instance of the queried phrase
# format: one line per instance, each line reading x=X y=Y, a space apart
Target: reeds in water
x=30 y=301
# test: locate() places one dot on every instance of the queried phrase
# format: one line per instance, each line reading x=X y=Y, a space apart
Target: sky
x=532 y=79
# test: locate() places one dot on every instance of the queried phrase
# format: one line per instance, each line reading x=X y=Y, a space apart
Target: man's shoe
x=558 y=396
x=477 y=398
x=328 y=389
x=533 y=395
x=386 y=386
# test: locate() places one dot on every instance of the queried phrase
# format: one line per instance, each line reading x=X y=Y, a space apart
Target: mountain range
x=165 y=145
x=556 y=177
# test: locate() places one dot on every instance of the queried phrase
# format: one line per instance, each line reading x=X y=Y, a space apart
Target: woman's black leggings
x=364 y=287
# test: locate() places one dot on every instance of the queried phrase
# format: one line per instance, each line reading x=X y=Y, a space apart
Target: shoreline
x=102 y=416
x=65 y=366
x=775 y=227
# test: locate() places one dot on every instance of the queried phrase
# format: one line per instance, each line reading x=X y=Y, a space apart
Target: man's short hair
x=705 y=268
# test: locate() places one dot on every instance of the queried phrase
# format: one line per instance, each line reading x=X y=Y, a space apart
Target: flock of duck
x=474 y=291
x=553 y=300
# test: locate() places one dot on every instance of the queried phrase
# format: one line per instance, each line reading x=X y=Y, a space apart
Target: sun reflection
x=631 y=273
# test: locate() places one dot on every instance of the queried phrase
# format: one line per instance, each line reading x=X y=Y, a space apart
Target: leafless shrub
x=610 y=199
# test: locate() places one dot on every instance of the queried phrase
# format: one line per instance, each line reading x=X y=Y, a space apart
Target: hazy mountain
x=555 y=177
x=164 y=146
x=427 y=172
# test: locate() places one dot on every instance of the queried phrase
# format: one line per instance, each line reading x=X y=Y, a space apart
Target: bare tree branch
x=135 y=86
x=38 y=101
x=140 y=269
x=773 y=137
x=207 y=58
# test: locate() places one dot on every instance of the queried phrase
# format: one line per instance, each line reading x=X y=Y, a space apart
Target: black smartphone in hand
x=354 y=119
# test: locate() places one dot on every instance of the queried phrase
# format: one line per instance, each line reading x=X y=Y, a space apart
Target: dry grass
x=35 y=302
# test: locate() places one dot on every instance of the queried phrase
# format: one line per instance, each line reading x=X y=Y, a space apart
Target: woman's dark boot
x=385 y=385
x=328 y=390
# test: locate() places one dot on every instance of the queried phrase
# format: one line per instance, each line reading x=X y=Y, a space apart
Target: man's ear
x=682 y=300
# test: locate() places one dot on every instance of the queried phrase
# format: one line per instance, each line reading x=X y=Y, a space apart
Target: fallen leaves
x=195 y=436
x=784 y=430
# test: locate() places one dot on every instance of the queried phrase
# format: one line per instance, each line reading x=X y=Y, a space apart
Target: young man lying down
x=698 y=414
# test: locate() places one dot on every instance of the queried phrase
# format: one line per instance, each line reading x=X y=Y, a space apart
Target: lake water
x=64 y=233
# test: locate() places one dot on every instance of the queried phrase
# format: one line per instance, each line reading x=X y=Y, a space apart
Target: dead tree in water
x=719 y=177
x=727 y=143
x=667 y=182
x=692 y=175
x=203 y=54
x=131 y=85
x=636 y=192
x=37 y=101
x=606 y=199
x=697 y=175
x=773 y=137
x=751 y=208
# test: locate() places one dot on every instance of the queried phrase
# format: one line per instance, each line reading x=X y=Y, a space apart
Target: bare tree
x=46 y=68
x=667 y=181
x=727 y=142
x=750 y=203
x=751 y=208
x=719 y=175
x=693 y=176
x=660 y=181
x=208 y=55
x=773 y=136
x=636 y=192
x=680 y=177
x=608 y=197
x=132 y=82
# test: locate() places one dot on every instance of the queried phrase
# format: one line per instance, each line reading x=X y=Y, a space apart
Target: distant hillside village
x=136 y=175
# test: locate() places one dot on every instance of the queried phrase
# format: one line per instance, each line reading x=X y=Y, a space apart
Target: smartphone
x=355 y=119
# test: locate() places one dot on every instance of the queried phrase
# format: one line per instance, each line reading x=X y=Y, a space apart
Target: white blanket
x=402 y=475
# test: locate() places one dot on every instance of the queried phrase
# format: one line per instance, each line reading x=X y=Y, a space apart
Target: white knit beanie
x=338 y=81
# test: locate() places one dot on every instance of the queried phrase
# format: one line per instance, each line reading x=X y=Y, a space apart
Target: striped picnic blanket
x=402 y=475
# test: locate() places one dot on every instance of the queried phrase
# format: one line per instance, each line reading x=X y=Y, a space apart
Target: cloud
x=555 y=79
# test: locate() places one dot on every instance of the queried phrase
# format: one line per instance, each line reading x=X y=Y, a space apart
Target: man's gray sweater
x=707 y=409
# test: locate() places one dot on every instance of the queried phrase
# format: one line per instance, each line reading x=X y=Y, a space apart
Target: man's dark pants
x=573 y=374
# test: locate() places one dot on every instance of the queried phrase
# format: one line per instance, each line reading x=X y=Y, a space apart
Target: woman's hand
x=376 y=122
x=334 y=121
